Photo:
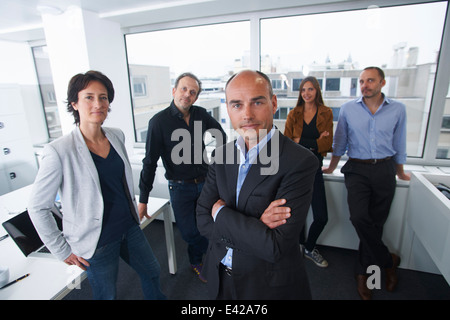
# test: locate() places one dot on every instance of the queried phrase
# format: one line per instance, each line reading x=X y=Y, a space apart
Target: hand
x=327 y=170
x=404 y=176
x=216 y=206
x=78 y=261
x=333 y=164
x=275 y=215
x=142 y=208
x=324 y=134
x=401 y=174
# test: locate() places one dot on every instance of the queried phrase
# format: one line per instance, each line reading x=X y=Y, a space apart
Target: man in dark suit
x=255 y=201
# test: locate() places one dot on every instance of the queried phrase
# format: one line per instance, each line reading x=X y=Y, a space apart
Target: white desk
x=50 y=278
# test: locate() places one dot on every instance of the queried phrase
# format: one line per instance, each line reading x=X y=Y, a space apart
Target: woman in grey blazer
x=89 y=167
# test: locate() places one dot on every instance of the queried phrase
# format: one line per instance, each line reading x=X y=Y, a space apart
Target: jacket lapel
x=85 y=155
x=266 y=165
x=231 y=172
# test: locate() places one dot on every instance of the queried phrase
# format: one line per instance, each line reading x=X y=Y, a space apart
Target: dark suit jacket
x=267 y=263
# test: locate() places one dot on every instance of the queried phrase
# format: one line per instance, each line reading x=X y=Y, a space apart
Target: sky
x=367 y=35
x=205 y=50
x=294 y=42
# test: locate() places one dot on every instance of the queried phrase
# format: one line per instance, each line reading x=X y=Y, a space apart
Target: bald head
x=250 y=73
x=251 y=105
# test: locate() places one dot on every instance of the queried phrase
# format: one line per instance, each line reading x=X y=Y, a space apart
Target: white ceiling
x=20 y=20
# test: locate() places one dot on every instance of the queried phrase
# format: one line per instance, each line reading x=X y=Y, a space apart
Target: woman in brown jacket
x=310 y=124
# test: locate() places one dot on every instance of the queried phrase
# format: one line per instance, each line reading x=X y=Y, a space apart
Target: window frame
x=441 y=83
x=47 y=97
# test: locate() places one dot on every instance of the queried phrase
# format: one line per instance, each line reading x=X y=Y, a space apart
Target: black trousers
x=227 y=291
x=319 y=212
x=370 y=191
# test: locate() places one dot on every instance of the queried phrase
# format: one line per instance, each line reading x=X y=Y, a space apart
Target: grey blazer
x=67 y=167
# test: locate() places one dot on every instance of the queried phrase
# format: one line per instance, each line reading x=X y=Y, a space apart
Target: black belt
x=370 y=161
x=196 y=180
x=228 y=271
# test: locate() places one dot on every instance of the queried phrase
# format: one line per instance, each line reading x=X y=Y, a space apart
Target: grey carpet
x=336 y=282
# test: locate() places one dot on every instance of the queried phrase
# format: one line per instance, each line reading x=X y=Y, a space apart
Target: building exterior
x=340 y=85
x=151 y=88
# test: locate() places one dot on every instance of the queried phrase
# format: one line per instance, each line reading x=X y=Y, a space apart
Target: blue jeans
x=135 y=250
x=183 y=197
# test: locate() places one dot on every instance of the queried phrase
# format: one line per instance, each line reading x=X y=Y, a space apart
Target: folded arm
x=250 y=233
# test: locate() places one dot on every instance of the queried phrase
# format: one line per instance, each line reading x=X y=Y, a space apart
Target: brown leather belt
x=196 y=180
x=370 y=161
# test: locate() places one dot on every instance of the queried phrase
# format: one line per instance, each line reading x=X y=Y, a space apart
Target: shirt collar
x=175 y=112
x=386 y=100
x=251 y=154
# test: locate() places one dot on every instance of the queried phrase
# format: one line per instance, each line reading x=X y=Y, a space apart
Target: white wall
x=78 y=41
x=17 y=68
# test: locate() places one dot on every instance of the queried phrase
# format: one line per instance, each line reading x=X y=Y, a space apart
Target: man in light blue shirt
x=247 y=157
x=372 y=130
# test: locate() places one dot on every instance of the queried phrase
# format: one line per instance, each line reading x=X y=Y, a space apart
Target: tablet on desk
x=21 y=229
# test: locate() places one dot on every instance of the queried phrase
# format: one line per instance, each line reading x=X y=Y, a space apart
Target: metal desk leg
x=170 y=243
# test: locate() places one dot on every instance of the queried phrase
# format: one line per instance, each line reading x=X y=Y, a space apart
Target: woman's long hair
x=318 y=100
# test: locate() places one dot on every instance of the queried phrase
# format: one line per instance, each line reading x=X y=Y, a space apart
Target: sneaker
x=197 y=268
x=316 y=257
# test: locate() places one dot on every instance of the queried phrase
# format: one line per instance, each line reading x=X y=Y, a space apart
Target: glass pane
x=443 y=148
x=44 y=74
x=334 y=47
x=155 y=59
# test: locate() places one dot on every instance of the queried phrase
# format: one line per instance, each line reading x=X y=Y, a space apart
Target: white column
x=78 y=41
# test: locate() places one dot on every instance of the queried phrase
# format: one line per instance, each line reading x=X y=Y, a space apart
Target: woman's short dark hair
x=79 y=82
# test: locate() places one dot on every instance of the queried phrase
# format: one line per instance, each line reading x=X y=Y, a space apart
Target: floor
x=336 y=282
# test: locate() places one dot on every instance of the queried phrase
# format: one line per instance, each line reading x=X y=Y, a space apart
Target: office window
x=282 y=113
x=333 y=84
x=446 y=122
x=403 y=40
x=296 y=84
x=320 y=83
x=335 y=113
x=139 y=86
x=278 y=84
x=443 y=148
x=212 y=52
x=353 y=87
x=51 y=97
x=44 y=75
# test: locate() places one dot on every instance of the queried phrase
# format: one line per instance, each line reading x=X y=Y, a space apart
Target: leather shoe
x=364 y=292
x=391 y=273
